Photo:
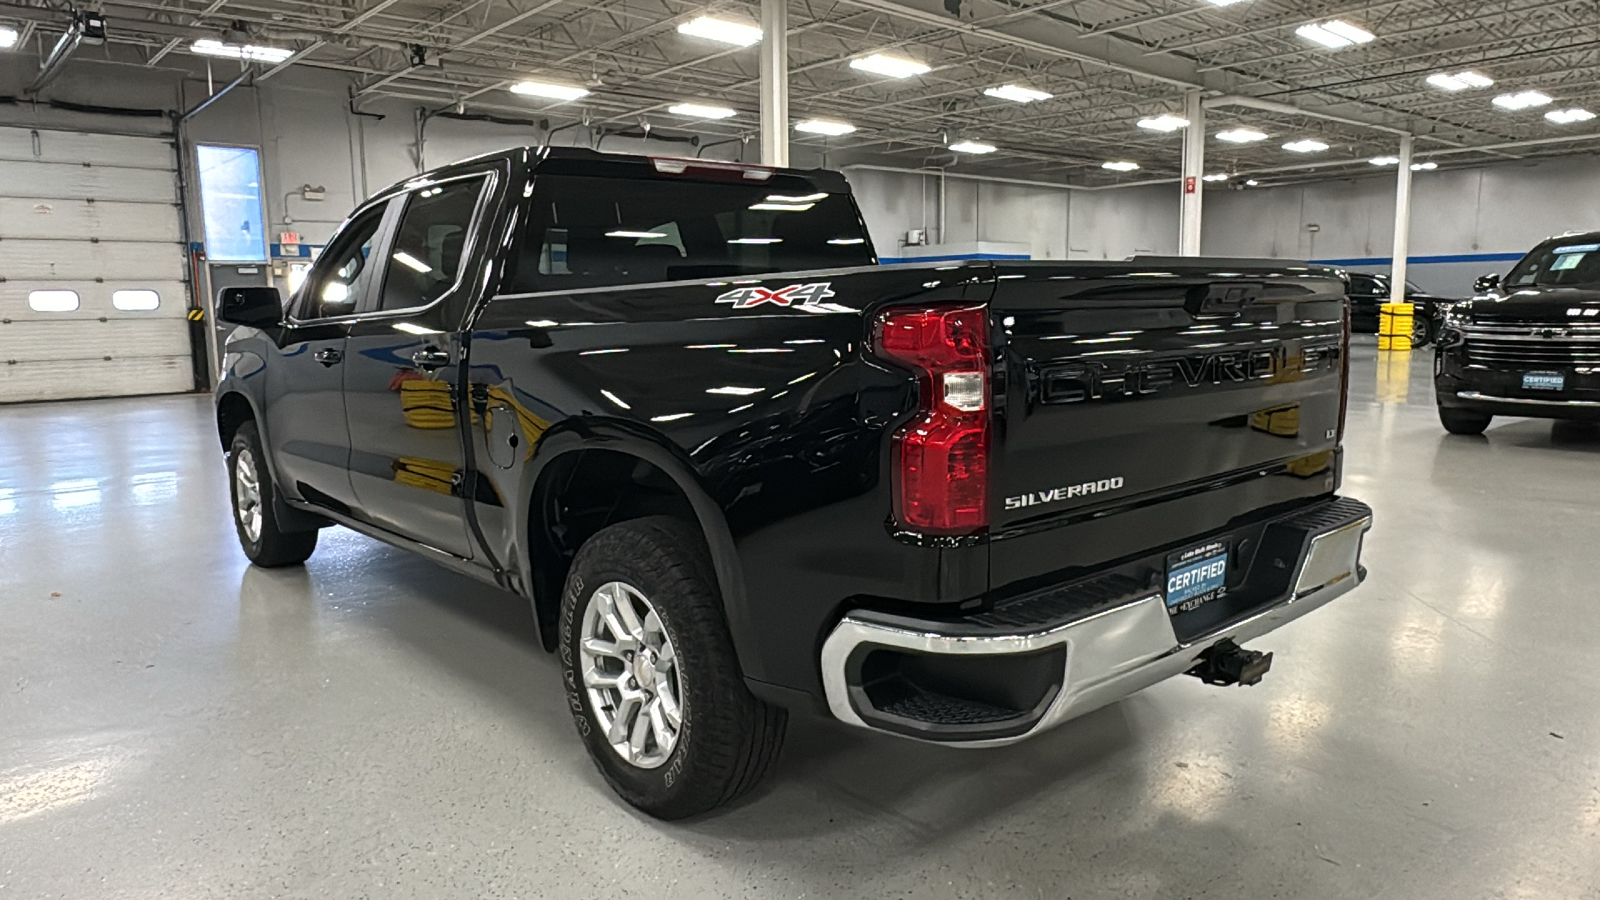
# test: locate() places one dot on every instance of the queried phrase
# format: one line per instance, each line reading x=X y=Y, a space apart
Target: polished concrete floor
x=174 y=723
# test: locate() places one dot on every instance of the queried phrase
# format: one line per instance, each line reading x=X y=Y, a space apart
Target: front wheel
x=1421 y=331
x=255 y=510
x=1463 y=421
x=651 y=677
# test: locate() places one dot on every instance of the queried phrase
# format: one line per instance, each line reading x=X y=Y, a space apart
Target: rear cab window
x=601 y=230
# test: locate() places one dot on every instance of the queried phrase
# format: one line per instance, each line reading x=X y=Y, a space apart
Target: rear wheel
x=1463 y=421
x=1421 y=331
x=651 y=677
x=255 y=515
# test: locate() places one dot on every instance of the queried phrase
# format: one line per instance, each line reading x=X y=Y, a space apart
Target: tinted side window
x=342 y=274
x=425 y=257
x=1361 y=284
x=598 y=231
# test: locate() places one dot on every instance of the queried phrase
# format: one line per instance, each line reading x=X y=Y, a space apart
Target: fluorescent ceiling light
x=736 y=33
x=1251 y=183
x=1016 y=93
x=1305 y=145
x=701 y=111
x=640 y=235
x=890 y=66
x=8 y=38
x=209 y=47
x=803 y=198
x=823 y=126
x=1385 y=160
x=972 y=147
x=1334 y=33
x=549 y=91
x=411 y=262
x=1120 y=165
x=1222 y=2
x=1569 y=116
x=783 y=207
x=1163 y=122
x=846 y=242
x=1522 y=100
x=414 y=328
x=1424 y=166
x=1215 y=176
x=1460 y=81
x=1241 y=136
x=756 y=241
x=735 y=390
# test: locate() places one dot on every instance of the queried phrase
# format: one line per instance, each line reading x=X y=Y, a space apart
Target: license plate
x=1196 y=576
x=1544 y=381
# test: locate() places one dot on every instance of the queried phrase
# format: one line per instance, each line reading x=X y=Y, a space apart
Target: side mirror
x=1486 y=283
x=254 y=306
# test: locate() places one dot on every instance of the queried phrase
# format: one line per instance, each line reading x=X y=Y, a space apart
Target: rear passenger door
x=402 y=367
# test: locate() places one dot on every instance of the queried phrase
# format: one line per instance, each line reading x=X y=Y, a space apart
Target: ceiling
x=1108 y=63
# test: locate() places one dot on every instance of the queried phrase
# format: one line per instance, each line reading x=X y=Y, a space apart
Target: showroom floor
x=176 y=723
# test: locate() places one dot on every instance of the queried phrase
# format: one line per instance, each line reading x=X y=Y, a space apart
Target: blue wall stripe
x=1423 y=260
x=955 y=257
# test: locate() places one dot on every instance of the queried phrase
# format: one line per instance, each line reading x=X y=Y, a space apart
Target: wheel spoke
x=598 y=647
x=640 y=734
x=668 y=702
x=602 y=680
x=608 y=614
x=629 y=615
x=626 y=710
x=658 y=723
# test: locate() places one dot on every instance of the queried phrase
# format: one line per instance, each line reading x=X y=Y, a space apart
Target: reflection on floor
x=178 y=724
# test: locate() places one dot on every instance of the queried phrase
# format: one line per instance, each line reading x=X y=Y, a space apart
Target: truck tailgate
x=1175 y=397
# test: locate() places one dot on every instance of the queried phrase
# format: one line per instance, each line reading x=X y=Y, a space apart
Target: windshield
x=1565 y=262
x=608 y=231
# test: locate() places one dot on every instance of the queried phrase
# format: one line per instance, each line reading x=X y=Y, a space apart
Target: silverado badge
x=804 y=296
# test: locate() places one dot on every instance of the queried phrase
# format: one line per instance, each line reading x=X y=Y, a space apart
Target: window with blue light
x=230 y=204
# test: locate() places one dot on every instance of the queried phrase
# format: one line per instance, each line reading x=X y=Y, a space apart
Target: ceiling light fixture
x=1522 y=100
x=1166 y=122
x=208 y=47
x=1305 y=145
x=1334 y=33
x=1016 y=93
x=1241 y=136
x=1251 y=183
x=701 y=111
x=1215 y=176
x=1569 y=116
x=562 y=92
x=1385 y=160
x=890 y=66
x=638 y=235
x=735 y=33
x=1424 y=166
x=1222 y=2
x=972 y=147
x=8 y=38
x=782 y=207
x=1460 y=81
x=823 y=126
x=1120 y=165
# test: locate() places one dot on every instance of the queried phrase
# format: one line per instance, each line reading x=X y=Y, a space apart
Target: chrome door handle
x=328 y=356
x=430 y=358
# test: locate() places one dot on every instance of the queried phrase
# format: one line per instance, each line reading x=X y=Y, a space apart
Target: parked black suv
x=1530 y=345
x=1369 y=292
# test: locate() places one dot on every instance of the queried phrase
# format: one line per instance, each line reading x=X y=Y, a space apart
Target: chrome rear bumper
x=1102 y=657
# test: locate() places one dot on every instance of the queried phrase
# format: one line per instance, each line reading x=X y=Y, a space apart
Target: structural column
x=1402 y=223
x=1194 y=168
x=775 y=82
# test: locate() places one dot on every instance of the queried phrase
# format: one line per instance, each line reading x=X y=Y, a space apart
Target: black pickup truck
x=739 y=469
x=1528 y=346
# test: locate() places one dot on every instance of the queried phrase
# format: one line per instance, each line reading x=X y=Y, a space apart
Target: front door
x=402 y=367
x=304 y=396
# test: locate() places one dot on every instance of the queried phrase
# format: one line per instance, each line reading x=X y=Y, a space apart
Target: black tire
x=1421 y=331
x=272 y=546
x=1463 y=421
x=727 y=739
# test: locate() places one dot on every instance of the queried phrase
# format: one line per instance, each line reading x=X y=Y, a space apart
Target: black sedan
x=1367 y=292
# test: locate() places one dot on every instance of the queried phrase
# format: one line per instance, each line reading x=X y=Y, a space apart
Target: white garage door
x=92 y=294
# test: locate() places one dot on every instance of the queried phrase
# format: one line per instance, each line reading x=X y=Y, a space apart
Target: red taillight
x=941 y=458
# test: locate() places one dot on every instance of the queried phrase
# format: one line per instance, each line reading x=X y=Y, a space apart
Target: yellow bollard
x=1394 y=326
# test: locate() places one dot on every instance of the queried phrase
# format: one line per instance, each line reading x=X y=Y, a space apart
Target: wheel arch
x=597 y=461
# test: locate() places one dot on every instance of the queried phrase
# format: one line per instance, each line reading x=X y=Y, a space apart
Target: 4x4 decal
x=805 y=296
